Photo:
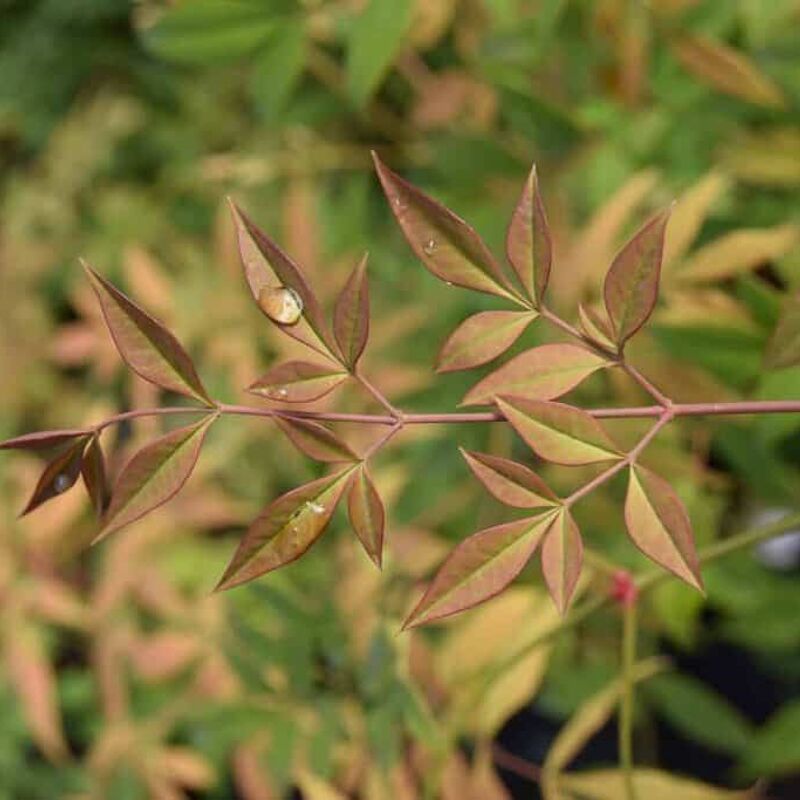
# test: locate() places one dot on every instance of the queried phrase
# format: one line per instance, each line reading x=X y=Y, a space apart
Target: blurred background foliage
x=122 y=128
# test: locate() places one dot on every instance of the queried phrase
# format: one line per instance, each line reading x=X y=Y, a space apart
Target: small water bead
x=61 y=483
x=282 y=391
x=429 y=247
x=281 y=304
x=316 y=508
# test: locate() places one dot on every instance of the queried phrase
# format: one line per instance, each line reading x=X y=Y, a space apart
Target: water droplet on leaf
x=61 y=483
x=429 y=247
x=316 y=508
x=281 y=304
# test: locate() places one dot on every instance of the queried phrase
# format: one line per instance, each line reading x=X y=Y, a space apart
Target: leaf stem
x=626 y=707
x=629 y=412
x=379 y=396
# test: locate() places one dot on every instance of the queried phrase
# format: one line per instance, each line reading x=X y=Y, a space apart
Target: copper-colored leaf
x=147 y=347
x=351 y=315
x=659 y=525
x=738 y=252
x=315 y=440
x=727 y=70
x=95 y=477
x=783 y=349
x=267 y=266
x=630 y=290
x=42 y=440
x=482 y=337
x=562 y=559
x=445 y=244
x=511 y=483
x=597 y=328
x=558 y=432
x=59 y=475
x=298 y=382
x=528 y=243
x=480 y=567
x=543 y=372
x=367 y=515
x=154 y=474
x=285 y=529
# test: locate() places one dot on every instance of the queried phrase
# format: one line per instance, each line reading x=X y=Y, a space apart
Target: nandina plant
x=522 y=393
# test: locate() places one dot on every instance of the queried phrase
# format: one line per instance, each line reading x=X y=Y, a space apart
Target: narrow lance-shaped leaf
x=445 y=244
x=511 y=483
x=543 y=372
x=562 y=559
x=267 y=266
x=528 y=242
x=630 y=290
x=315 y=440
x=480 y=567
x=366 y=513
x=659 y=526
x=783 y=349
x=481 y=338
x=596 y=328
x=95 y=477
x=727 y=70
x=155 y=474
x=351 y=315
x=145 y=344
x=298 y=382
x=42 y=440
x=557 y=432
x=285 y=529
x=59 y=475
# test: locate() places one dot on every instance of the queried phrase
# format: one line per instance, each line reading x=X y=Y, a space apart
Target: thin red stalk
x=606 y=475
x=515 y=764
x=396 y=428
x=379 y=396
x=652 y=390
x=629 y=412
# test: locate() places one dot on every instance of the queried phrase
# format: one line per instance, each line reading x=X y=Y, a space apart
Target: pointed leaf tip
x=154 y=475
x=562 y=559
x=446 y=245
x=559 y=433
x=367 y=514
x=285 y=529
x=480 y=567
x=145 y=345
x=630 y=290
x=659 y=525
x=351 y=315
x=529 y=246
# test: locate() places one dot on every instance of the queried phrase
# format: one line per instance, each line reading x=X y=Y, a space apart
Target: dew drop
x=316 y=508
x=449 y=283
x=61 y=483
x=399 y=203
x=429 y=247
x=281 y=304
x=282 y=391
